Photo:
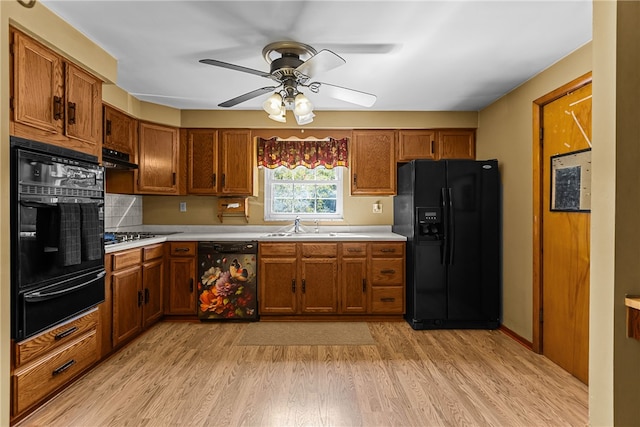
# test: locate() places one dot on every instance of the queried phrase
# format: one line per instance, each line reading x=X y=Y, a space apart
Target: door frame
x=538 y=204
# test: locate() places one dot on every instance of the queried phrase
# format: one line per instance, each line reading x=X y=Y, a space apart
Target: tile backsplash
x=122 y=210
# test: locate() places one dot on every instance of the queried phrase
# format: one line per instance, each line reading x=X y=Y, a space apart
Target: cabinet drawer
x=387 y=271
x=153 y=252
x=126 y=259
x=354 y=249
x=32 y=348
x=183 y=248
x=388 y=249
x=279 y=249
x=319 y=250
x=37 y=380
x=387 y=300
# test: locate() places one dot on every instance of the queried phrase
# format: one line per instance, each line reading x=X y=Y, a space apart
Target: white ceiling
x=414 y=55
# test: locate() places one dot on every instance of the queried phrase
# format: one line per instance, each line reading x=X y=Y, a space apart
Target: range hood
x=112 y=159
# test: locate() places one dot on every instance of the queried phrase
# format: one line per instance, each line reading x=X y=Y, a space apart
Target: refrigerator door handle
x=452 y=227
x=445 y=240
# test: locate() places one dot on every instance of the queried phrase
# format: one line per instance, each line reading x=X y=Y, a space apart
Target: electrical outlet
x=377 y=208
x=183 y=206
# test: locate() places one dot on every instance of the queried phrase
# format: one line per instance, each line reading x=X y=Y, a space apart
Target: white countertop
x=256 y=233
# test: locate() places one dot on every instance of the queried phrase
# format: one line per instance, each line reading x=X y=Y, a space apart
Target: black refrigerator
x=449 y=210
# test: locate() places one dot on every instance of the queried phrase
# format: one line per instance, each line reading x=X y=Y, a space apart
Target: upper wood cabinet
x=120 y=131
x=456 y=144
x=416 y=144
x=221 y=162
x=237 y=163
x=157 y=159
x=373 y=164
x=202 y=166
x=436 y=144
x=53 y=100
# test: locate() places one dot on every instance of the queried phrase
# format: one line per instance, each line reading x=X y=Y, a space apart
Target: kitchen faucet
x=296 y=225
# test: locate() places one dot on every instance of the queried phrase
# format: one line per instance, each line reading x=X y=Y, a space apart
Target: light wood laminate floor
x=193 y=374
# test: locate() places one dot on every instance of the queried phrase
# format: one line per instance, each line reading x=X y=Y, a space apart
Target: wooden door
x=353 y=281
x=456 y=144
x=278 y=285
x=181 y=298
x=373 y=164
x=152 y=281
x=158 y=159
x=202 y=146
x=126 y=287
x=416 y=144
x=120 y=131
x=83 y=107
x=319 y=281
x=565 y=265
x=38 y=91
x=238 y=158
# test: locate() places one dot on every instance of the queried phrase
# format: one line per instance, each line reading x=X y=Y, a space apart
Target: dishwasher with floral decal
x=227 y=282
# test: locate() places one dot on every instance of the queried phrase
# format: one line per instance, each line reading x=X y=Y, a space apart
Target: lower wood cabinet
x=136 y=285
x=331 y=279
x=181 y=292
x=45 y=363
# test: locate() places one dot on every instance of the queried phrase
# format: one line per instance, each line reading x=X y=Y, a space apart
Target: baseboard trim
x=526 y=343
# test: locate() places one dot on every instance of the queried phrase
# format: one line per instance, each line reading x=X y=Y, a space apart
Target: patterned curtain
x=273 y=153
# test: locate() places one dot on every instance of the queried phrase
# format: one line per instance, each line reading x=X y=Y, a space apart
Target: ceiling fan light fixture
x=273 y=105
x=302 y=105
x=304 y=119
x=281 y=116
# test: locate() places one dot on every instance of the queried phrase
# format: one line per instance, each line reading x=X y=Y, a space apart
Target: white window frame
x=273 y=216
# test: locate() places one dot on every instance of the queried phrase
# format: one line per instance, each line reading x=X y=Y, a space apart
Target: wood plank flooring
x=193 y=374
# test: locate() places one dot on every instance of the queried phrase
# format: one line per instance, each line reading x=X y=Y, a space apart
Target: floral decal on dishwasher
x=227 y=287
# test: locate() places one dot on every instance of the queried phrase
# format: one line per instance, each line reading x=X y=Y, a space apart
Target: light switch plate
x=377 y=208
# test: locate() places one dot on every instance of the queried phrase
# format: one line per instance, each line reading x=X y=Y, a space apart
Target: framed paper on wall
x=571 y=181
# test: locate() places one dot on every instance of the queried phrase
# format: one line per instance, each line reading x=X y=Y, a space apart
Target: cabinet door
x=152 y=281
x=181 y=298
x=126 y=286
x=319 y=285
x=83 y=106
x=237 y=161
x=202 y=146
x=456 y=144
x=278 y=286
x=37 y=85
x=120 y=131
x=157 y=159
x=416 y=144
x=373 y=165
x=353 y=280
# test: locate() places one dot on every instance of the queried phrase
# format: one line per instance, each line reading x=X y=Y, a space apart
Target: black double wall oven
x=57 y=232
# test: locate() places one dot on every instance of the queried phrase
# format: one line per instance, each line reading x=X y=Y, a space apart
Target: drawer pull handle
x=293 y=285
x=146 y=295
x=57 y=108
x=63 y=368
x=191 y=285
x=107 y=128
x=388 y=271
x=364 y=285
x=387 y=299
x=65 y=333
x=181 y=250
x=387 y=250
x=354 y=250
x=304 y=286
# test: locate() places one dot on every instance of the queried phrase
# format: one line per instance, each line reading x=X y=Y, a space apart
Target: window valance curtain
x=292 y=153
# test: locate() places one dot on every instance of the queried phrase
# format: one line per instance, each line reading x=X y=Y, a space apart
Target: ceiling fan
x=292 y=66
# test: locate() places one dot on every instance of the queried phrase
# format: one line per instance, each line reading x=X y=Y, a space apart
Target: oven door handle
x=31 y=204
x=43 y=296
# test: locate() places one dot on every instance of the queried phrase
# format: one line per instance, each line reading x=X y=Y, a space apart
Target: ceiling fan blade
x=247 y=96
x=234 y=67
x=324 y=60
x=350 y=95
